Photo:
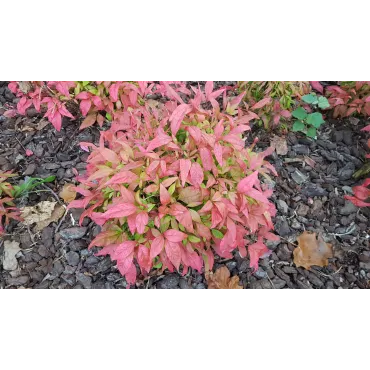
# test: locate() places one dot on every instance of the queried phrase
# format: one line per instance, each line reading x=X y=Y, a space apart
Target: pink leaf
x=261 y=103
x=143 y=258
x=122 y=177
x=156 y=246
x=208 y=88
x=174 y=235
x=113 y=92
x=196 y=174
x=247 y=183
x=85 y=106
x=120 y=210
x=177 y=117
x=185 y=165
x=218 y=153
x=123 y=250
x=164 y=195
x=141 y=221
x=29 y=152
x=182 y=215
x=158 y=141
x=256 y=251
x=173 y=251
x=206 y=158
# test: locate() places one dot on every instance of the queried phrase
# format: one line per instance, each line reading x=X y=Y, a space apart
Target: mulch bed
x=306 y=198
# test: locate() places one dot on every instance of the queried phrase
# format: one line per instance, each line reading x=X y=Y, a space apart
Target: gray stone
x=260 y=273
x=200 y=286
x=348 y=208
x=20 y=280
x=282 y=228
x=313 y=190
x=299 y=177
x=73 y=258
x=278 y=283
x=301 y=149
x=73 y=233
x=184 y=284
x=169 y=282
x=31 y=168
x=85 y=280
x=303 y=210
x=365 y=265
x=91 y=260
x=282 y=206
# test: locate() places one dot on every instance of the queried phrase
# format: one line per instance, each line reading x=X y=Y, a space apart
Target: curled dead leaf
x=280 y=145
x=68 y=194
x=221 y=279
x=43 y=214
x=312 y=251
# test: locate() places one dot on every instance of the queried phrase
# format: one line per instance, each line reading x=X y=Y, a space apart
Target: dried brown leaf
x=312 y=251
x=280 y=145
x=42 y=214
x=68 y=193
x=221 y=279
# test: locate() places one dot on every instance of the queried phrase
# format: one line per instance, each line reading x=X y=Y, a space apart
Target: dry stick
x=62 y=219
x=296 y=245
x=53 y=192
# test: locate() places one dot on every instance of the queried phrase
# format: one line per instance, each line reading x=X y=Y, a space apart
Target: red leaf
x=158 y=141
x=177 y=117
x=122 y=177
x=109 y=155
x=156 y=246
x=123 y=250
x=218 y=153
x=247 y=183
x=196 y=174
x=357 y=202
x=185 y=165
x=261 y=103
x=141 y=221
x=182 y=215
x=143 y=258
x=206 y=158
x=85 y=106
x=113 y=92
x=174 y=235
x=164 y=195
x=173 y=251
x=256 y=251
x=317 y=86
x=88 y=121
x=120 y=210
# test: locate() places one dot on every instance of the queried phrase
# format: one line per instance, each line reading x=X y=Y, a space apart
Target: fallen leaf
x=68 y=193
x=11 y=248
x=42 y=123
x=312 y=251
x=29 y=152
x=280 y=145
x=221 y=279
x=309 y=161
x=43 y=214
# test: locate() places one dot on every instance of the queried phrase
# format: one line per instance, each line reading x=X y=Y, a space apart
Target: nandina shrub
x=350 y=98
x=7 y=207
x=179 y=188
x=273 y=101
x=96 y=101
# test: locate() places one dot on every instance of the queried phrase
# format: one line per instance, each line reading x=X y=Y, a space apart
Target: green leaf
x=299 y=113
x=49 y=179
x=108 y=117
x=158 y=265
x=311 y=132
x=310 y=99
x=323 y=102
x=315 y=119
x=193 y=239
x=298 y=126
x=85 y=83
x=217 y=234
x=172 y=188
